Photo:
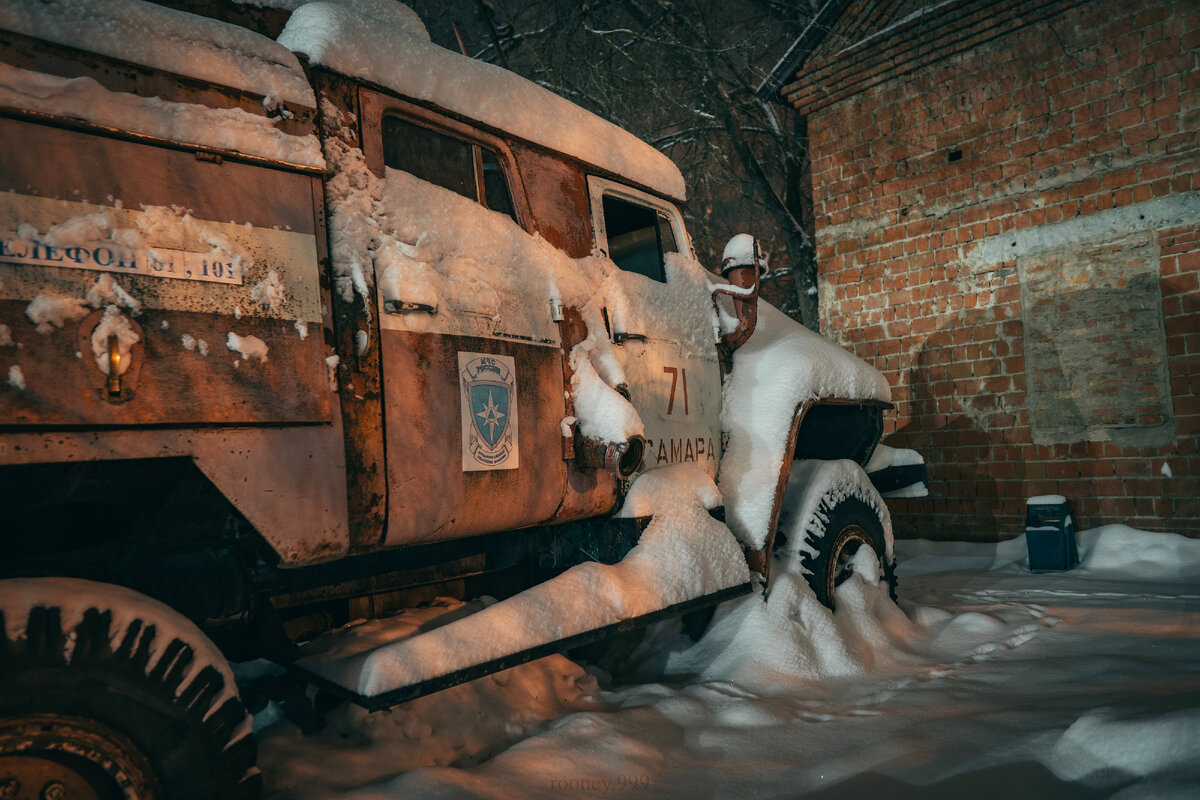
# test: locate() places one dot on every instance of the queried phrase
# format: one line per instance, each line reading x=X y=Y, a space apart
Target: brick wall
x=1010 y=232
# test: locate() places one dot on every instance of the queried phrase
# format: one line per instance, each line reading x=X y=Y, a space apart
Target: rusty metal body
x=215 y=400
x=326 y=428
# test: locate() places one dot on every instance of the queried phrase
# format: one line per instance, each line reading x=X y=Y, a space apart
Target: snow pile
x=807 y=640
x=1109 y=740
x=223 y=128
x=1124 y=553
x=191 y=343
x=247 y=346
x=162 y=38
x=684 y=553
x=106 y=291
x=331 y=365
x=1109 y=553
x=683 y=481
x=739 y=251
x=885 y=456
x=602 y=412
x=270 y=293
x=782 y=366
x=48 y=311
x=174 y=226
x=766 y=644
x=16 y=377
x=6 y=339
x=381 y=44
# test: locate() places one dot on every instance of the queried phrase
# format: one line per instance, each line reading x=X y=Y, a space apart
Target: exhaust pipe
x=619 y=459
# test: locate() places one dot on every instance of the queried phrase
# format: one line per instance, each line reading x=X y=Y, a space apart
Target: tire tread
x=223 y=767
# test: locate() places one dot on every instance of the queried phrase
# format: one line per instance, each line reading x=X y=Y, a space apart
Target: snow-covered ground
x=989 y=681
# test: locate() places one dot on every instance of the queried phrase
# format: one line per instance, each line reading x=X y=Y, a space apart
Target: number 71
x=676 y=373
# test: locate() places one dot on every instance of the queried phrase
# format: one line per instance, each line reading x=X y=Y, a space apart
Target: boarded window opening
x=1095 y=343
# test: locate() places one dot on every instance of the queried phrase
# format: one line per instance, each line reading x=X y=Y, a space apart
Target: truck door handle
x=405 y=307
x=621 y=338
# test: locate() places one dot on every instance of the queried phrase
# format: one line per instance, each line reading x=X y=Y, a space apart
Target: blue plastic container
x=1050 y=534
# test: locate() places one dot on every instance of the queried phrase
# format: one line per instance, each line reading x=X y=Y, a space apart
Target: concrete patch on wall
x=1095 y=344
x=1165 y=212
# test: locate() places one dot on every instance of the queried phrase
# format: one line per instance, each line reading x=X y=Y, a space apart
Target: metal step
x=308 y=666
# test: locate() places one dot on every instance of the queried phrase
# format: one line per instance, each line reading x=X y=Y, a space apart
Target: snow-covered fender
x=784 y=378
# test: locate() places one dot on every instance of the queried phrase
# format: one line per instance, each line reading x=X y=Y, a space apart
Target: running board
x=403 y=694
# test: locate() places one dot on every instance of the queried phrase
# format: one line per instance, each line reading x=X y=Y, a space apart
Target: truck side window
x=464 y=168
x=637 y=237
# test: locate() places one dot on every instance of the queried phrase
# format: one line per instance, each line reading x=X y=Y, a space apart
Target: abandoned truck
x=305 y=320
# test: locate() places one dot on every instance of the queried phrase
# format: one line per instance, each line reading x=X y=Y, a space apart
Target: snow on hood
x=166 y=39
x=380 y=43
x=782 y=365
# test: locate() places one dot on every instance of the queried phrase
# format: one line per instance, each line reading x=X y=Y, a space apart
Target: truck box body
x=304 y=327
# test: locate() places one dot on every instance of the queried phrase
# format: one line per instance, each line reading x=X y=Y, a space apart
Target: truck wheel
x=830 y=513
x=107 y=694
x=852 y=526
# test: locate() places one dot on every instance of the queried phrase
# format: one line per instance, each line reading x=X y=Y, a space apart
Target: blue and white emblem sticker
x=488 y=391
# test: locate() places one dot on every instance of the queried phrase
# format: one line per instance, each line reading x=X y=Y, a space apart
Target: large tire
x=852 y=525
x=113 y=695
x=832 y=513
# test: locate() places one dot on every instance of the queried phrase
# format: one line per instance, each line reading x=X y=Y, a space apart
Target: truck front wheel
x=852 y=526
x=834 y=523
x=107 y=694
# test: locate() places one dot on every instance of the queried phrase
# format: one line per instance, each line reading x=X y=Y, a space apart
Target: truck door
x=660 y=316
x=472 y=372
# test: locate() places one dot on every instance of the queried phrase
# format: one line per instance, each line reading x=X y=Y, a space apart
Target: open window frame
x=599 y=188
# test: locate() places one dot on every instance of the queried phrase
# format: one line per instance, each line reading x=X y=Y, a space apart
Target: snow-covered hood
x=782 y=366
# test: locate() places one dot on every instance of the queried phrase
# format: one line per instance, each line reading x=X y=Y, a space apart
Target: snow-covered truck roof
x=163 y=38
x=385 y=43
x=380 y=41
x=174 y=42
